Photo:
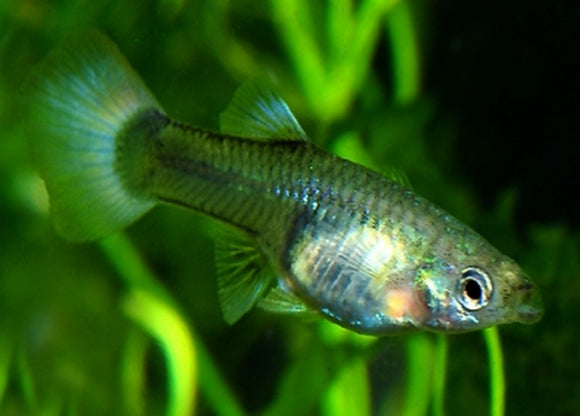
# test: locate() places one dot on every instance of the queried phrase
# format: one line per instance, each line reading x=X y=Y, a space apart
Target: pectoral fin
x=397 y=175
x=281 y=300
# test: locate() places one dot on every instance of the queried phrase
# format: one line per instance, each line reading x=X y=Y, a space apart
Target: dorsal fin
x=257 y=112
x=243 y=273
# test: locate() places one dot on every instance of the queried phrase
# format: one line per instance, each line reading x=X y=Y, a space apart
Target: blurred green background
x=476 y=101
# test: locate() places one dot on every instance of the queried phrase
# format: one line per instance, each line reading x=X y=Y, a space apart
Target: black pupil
x=472 y=289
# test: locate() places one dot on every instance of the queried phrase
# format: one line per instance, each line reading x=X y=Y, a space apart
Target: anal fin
x=243 y=273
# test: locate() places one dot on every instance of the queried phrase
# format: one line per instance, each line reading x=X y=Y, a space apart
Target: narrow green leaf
x=440 y=374
x=349 y=393
x=496 y=372
x=404 y=47
x=419 y=375
x=149 y=293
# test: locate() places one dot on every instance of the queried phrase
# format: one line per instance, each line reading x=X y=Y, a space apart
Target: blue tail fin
x=81 y=97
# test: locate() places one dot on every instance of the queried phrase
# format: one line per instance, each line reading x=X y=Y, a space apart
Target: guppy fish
x=314 y=232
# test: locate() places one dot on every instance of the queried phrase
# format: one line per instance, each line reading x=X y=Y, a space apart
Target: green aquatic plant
x=330 y=47
x=153 y=309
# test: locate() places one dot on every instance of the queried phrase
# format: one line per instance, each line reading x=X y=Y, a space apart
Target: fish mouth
x=529 y=301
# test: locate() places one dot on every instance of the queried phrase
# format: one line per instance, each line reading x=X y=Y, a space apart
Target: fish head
x=475 y=291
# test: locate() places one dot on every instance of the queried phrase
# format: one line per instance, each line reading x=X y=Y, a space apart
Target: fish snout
x=529 y=307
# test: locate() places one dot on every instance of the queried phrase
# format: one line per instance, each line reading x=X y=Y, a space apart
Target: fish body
x=313 y=232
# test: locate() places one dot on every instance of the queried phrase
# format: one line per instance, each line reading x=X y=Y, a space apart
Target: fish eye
x=474 y=289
